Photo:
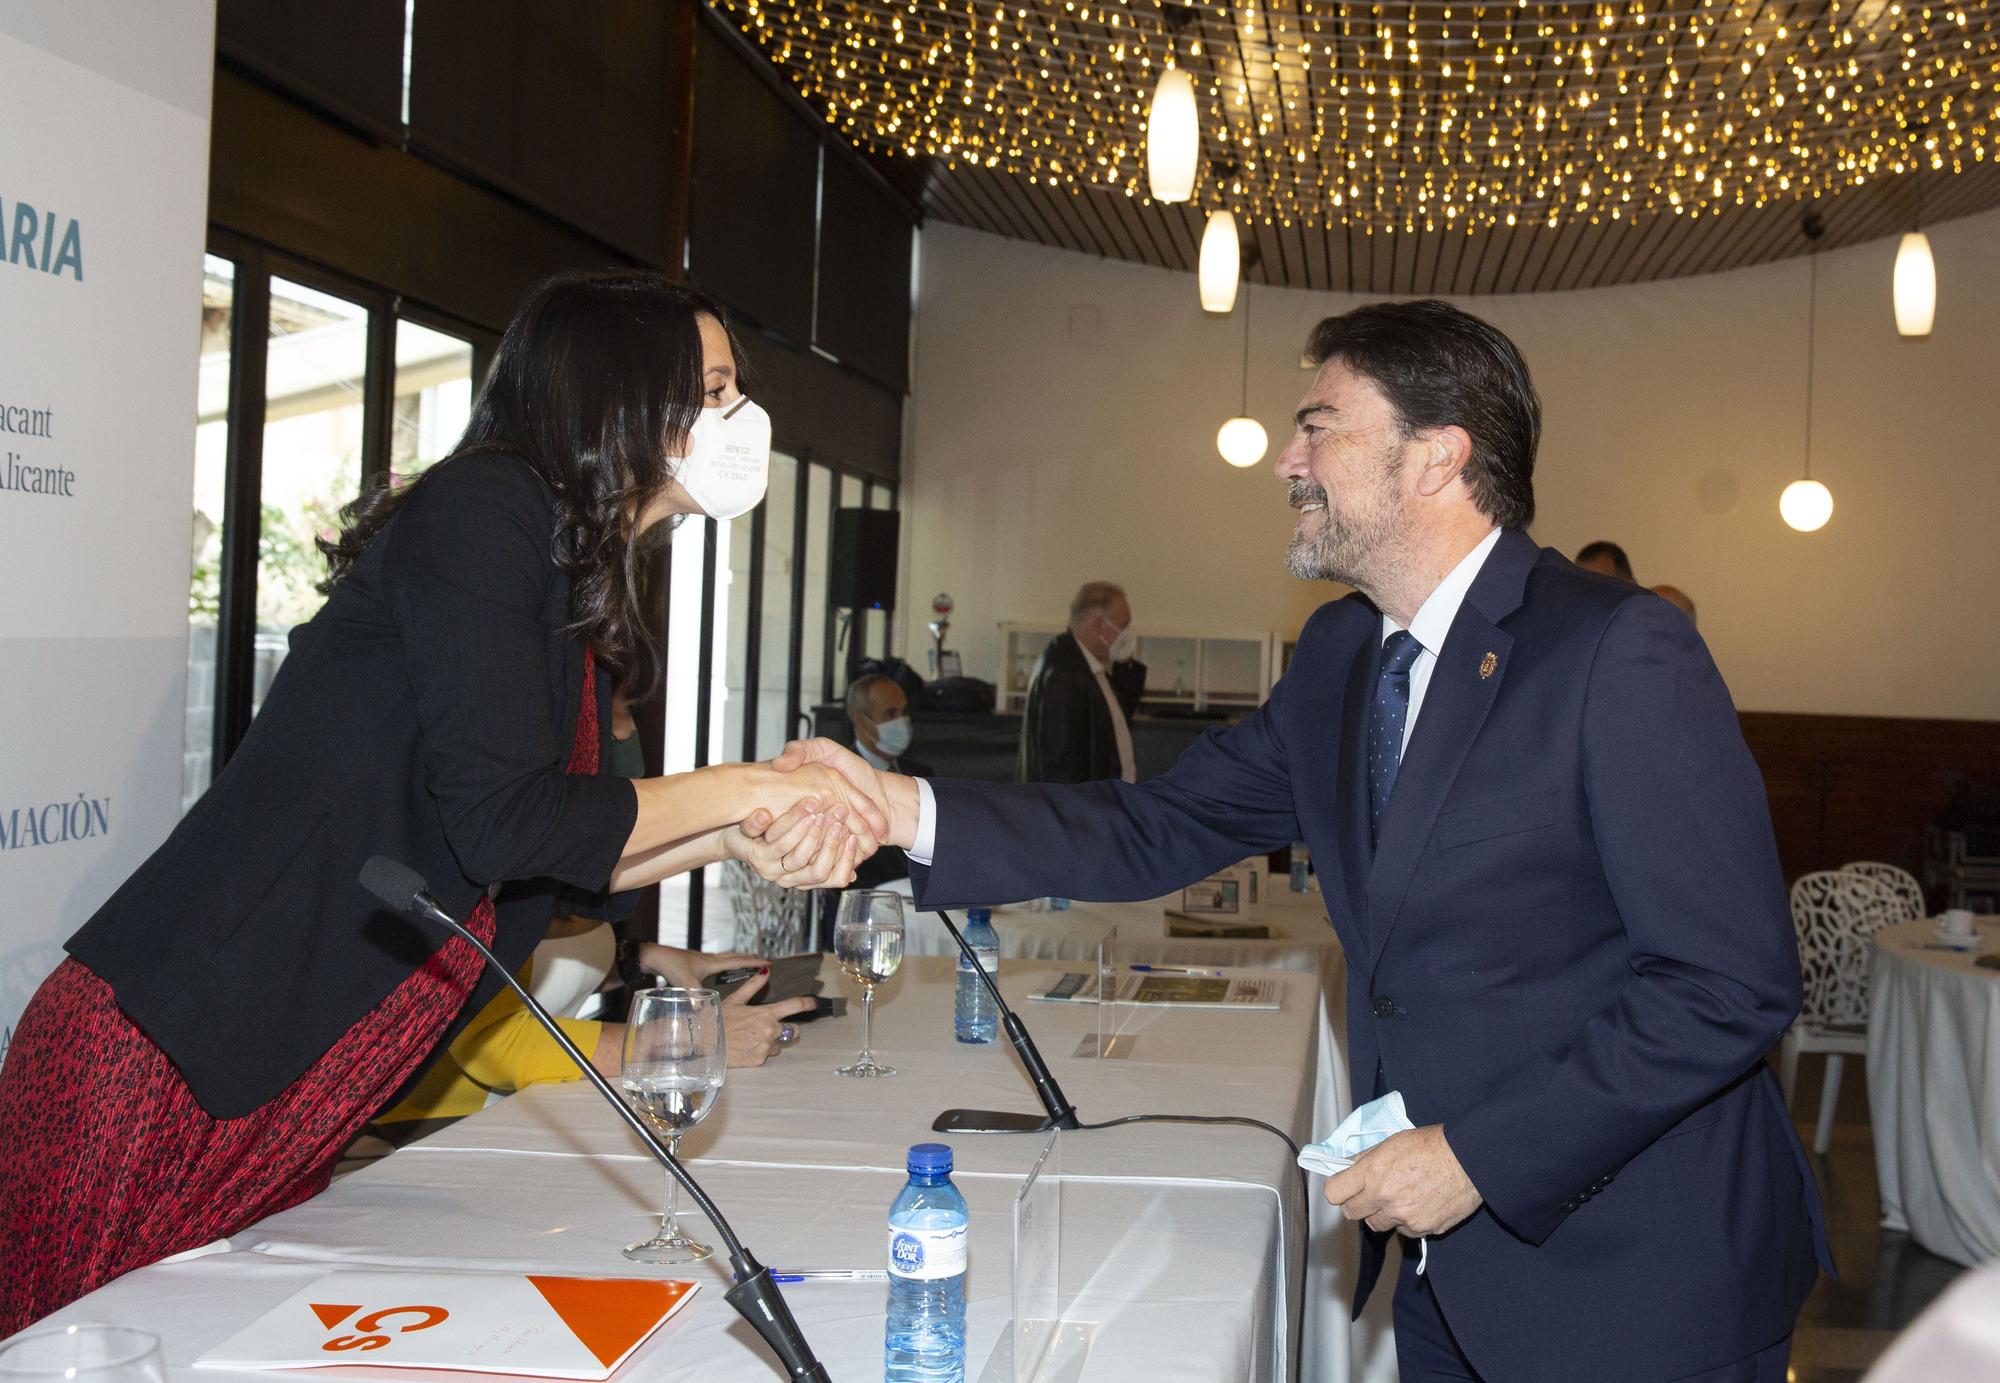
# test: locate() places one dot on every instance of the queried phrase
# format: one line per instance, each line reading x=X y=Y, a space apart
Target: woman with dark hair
x=237 y=1010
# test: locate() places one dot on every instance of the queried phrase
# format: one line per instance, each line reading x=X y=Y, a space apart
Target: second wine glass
x=672 y=1073
x=868 y=943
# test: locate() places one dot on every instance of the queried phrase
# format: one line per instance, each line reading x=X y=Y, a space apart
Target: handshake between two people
x=842 y=810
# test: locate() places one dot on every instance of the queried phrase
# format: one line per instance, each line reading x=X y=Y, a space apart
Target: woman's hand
x=687 y=969
x=803 y=848
x=752 y=1036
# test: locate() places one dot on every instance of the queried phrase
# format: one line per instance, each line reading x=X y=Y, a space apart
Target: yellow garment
x=502 y=1049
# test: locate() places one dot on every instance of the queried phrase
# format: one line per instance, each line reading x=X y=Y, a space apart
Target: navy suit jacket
x=1571 y=947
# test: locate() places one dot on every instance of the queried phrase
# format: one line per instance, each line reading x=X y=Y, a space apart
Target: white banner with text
x=103 y=207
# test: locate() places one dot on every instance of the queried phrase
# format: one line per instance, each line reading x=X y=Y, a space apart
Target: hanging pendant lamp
x=1173 y=138
x=1913 y=285
x=1806 y=505
x=1242 y=440
x=1221 y=262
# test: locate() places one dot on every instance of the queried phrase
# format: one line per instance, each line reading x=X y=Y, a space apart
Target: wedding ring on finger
x=787 y=1035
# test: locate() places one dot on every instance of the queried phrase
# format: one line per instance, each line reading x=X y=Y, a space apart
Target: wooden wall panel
x=1864 y=787
x=346 y=58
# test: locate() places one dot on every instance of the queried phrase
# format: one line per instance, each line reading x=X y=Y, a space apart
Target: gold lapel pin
x=1486 y=666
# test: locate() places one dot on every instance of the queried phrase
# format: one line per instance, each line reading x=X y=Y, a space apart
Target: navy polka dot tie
x=1386 y=719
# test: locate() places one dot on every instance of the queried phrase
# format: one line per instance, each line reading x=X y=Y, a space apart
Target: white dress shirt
x=1127 y=767
x=1433 y=621
x=1429 y=627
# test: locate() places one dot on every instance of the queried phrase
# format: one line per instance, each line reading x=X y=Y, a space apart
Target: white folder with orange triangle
x=539 y=1326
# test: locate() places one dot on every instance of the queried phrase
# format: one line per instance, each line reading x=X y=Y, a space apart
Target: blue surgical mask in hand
x=1358 y=1132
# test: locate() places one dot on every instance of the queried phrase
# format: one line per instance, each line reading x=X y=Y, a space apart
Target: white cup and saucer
x=1955 y=928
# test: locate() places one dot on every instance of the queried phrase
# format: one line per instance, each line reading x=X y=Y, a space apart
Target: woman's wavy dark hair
x=597 y=379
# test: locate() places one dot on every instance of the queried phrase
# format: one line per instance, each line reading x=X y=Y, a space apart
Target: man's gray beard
x=1340 y=552
x=1346 y=552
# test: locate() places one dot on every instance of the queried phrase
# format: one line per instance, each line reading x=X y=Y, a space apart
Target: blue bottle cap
x=979 y=915
x=930 y=1159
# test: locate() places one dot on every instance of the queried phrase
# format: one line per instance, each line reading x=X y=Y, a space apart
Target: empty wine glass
x=868 y=943
x=83 y=1354
x=671 y=1075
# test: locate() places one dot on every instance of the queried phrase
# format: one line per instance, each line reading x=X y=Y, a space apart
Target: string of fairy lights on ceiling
x=1412 y=115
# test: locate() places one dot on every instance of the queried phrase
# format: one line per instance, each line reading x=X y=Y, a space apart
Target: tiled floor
x=1885 y=1279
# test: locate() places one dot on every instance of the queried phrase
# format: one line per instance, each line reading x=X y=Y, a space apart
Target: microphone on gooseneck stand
x=1062 y=1114
x=755 y=1297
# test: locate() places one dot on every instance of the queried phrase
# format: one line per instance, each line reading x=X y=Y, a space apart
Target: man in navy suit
x=1549 y=859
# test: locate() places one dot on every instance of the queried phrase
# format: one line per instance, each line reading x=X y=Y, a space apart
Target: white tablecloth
x=1934 y=1090
x=1955 y=1340
x=1181 y=1243
x=1335 y=1350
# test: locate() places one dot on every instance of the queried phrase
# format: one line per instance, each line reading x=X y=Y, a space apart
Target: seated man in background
x=878 y=715
x=1077 y=725
x=1606 y=559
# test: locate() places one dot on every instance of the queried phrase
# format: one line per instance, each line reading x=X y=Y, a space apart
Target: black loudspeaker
x=863 y=572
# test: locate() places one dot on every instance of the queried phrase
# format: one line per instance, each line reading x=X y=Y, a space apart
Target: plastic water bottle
x=974 y=1020
x=925 y=1338
x=1301 y=863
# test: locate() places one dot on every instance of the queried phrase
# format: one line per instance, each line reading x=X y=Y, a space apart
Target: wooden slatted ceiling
x=1417 y=146
x=1514 y=259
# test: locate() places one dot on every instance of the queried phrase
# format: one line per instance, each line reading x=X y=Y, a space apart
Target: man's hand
x=895 y=794
x=1409 y=1182
x=781 y=783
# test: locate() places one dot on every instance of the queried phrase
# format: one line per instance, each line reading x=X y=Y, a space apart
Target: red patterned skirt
x=108 y=1163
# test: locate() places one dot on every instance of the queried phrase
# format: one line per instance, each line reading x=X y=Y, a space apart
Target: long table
x=1301 y=938
x=1181 y=1244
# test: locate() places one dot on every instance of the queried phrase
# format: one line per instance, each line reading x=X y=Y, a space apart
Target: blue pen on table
x=782 y=1275
x=1174 y=970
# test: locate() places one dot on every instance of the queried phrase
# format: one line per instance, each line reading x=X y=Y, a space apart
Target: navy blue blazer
x=1571 y=947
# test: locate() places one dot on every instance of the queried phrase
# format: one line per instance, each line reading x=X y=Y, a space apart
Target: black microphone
x=1062 y=1114
x=755 y=1297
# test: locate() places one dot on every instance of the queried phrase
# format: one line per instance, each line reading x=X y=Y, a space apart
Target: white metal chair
x=1900 y=882
x=1835 y=913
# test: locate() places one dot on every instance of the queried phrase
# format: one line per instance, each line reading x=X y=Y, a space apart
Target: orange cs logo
x=369 y=1326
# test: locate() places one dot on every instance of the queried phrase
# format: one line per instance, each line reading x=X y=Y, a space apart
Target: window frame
x=255 y=264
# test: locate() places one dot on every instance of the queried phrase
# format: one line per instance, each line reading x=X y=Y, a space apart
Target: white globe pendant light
x=1173 y=138
x=1220 y=263
x=1242 y=441
x=1915 y=286
x=1806 y=505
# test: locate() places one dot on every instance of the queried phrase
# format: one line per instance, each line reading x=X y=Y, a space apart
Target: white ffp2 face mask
x=728 y=464
x=1123 y=646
